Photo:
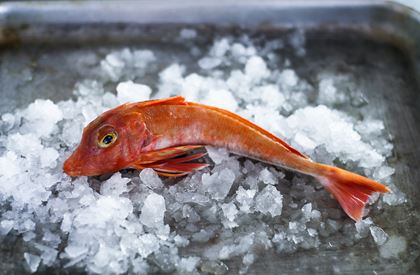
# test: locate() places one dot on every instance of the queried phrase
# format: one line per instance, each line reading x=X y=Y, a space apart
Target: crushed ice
x=136 y=223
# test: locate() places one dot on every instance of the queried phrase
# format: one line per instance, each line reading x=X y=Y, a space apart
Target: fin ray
x=351 y=190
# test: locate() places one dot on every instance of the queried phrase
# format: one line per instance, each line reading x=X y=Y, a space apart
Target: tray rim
x=389 y=21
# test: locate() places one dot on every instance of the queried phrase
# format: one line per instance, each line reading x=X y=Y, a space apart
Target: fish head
x=109 y=143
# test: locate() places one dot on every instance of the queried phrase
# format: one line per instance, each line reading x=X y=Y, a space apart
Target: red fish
x=157 y=133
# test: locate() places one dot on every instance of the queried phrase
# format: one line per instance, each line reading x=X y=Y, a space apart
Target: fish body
x=156 y=133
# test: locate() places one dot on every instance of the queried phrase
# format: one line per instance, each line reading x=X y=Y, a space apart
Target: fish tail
x=351 y=190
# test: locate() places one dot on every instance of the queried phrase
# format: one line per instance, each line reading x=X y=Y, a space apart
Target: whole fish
x=158 y=133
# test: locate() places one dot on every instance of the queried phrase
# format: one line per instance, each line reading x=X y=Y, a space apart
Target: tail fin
x=351 y=190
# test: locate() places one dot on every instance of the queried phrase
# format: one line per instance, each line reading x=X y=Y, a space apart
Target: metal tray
x=381 y=39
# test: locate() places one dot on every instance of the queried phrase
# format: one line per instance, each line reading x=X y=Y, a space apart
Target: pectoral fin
x=167 y=162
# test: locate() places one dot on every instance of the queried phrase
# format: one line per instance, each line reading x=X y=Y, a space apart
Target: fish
x=163 y=134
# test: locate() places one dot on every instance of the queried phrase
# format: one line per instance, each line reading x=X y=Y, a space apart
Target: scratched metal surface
x=374 y=43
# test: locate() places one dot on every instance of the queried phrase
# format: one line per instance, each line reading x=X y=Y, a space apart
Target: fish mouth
x=71 y=169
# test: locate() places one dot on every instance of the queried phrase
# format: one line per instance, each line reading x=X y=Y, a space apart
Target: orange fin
x=166 y=153
x=351 y=190
x=175 y=100
x=166 y=162
x=179 y=167
x=253 y=126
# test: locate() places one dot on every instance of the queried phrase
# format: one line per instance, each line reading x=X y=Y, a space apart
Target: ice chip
x=150 y=178
x=49 y=157
x=222 y=99
x=383 y=172
x=48 y=254
x=153 y=211
x=74 y=251
x=188 y=264
x=7 y=122
x=6 y=226
x=190 y=197
x=9 y=165
x=304 y=142
x=288 y=78
x=393 y=247
x=229 y=211
x=267 y=177
x=362 y=227
x=220 y=48
x=245 y=198
x=394 y=198
x=217 y=155
x=115 y=186
x=378 y=234
x=148 y=243
x=132 y=92
x=43 y=116
x=271 y=96
x=32 y=261
x=208 y=63
x=269 y=201
x=218 y=184
x=256 y=69
x=173 y=73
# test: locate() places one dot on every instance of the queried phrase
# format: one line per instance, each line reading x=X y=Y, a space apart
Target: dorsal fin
x=253 y=126
x=175 y=100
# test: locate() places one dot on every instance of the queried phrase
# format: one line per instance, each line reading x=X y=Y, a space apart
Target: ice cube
x=74 y=251
x=49 y=157
x=220 y=48
x=42 y=116
x=6 y=226
x=49 y=254
x=267 y=177
x=153 y=211
x=217 y=155
x=151 y=179
x=229 y=211
x=383 y=172
x=288 y=78
x=115 y=186
x=181 y=241
x=9 y=165
x=256 y=69
x=222 y=99
x=173 y=73
x=132 y=92
x=393 y=247
x=8 y=121
x=304 y=142
x=378 y=234
x=271 y=95
x=245 y=198
x=394 y=198
x=148 y=243
x=362 y=227
x=269 y=201
x=190 y=197
x=218 y=184
x=32 y=261
x=208 y=63
x=188 y=264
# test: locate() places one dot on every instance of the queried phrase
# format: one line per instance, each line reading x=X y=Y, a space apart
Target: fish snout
x=72 y=166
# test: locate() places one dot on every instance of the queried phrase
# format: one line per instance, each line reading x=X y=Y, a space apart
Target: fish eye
x=107 y=140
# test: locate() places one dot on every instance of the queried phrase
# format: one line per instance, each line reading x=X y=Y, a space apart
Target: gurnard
x=158 y=134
